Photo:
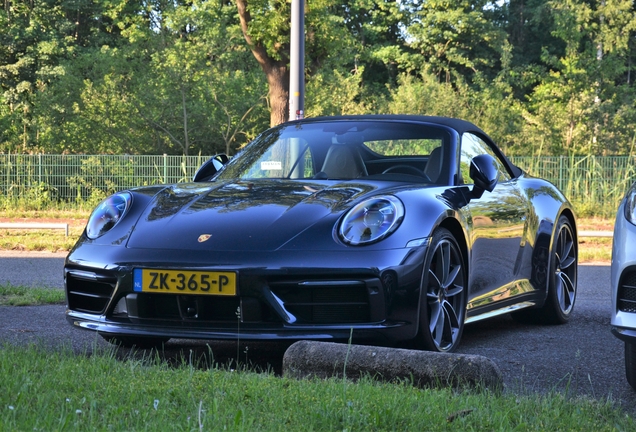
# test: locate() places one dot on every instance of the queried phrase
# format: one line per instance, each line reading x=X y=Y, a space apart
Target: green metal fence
x=79 y=177
x=596 y=182
x=590 y=180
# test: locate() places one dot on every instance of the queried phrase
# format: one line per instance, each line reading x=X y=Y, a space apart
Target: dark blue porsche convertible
x=387 y=228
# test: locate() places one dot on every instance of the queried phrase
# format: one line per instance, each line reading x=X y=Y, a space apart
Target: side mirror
x=484 y=172
x=210 y=167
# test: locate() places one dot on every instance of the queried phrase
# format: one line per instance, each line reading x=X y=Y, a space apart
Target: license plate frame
x=186 y=282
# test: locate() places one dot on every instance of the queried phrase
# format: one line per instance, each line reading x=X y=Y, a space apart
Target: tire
x=136 y=342
x=562 y=284
x=443 y=295
x=630 y=364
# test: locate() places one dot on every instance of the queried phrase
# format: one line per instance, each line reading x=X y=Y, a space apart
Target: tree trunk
x=276 y=71
x=278 y=81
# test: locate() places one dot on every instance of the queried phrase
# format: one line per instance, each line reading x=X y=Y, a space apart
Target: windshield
x=342 y=150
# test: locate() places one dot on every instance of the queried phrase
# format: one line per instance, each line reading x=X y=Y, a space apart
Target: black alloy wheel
x=443 y=297
x=564 y=271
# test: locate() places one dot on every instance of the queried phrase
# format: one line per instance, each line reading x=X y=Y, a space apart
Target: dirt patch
x=593 y=224
x=78 y=223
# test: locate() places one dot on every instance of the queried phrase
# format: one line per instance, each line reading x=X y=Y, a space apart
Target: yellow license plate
x=184 y=282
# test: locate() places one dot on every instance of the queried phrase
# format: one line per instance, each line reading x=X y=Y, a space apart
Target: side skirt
x=522 y=301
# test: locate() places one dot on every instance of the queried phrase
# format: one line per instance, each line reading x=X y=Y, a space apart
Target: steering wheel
x=405 y=169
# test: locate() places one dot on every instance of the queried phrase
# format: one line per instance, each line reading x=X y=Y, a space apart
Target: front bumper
x=626 y=335
x=281 y=295
x=623 y=278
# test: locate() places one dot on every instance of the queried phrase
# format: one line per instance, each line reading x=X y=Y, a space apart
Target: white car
x=624 y=281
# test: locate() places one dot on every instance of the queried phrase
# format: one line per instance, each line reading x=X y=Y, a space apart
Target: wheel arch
x=455 y=228
x=543 y=233
x=567 y=212
x=542 y=263
x=569 y=215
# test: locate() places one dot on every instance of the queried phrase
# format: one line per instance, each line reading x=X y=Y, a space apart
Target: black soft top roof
x=459 y=125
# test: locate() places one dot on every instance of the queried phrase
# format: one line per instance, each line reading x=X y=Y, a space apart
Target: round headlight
x=371 y=220
x=107 y=214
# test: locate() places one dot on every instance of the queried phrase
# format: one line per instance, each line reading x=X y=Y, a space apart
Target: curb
x=425 y=369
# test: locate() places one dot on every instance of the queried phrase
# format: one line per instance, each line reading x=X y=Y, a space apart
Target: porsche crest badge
x=204 y=237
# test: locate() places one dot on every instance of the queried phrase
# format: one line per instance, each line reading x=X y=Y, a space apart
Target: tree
x=183 y=82
x=381 y=51
x=574 y=106
x=205 y=78
x=36 y=40
x=266 y=27
x=529 y=26
x=269 y=49
x=32 y=40
x=457 y=39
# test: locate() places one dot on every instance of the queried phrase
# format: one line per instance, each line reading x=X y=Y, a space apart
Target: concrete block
x=306 y=359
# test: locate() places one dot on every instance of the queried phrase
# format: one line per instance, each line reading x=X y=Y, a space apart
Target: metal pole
x=165 y=168
x=297 y=61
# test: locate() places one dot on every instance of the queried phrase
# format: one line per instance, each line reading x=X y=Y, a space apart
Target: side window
x=472 y=146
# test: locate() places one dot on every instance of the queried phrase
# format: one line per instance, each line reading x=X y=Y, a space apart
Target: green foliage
x=457 y=38
x=117 y=77
x=347 y=100
x=37 y=196
x=146 y=81
x=491 y=107
x=575 y=107
x=377 y=47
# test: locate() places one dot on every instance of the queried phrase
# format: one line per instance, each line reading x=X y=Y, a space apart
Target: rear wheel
x=443 y=296
x=562 y=280
x=136 y=342
x=630 y=364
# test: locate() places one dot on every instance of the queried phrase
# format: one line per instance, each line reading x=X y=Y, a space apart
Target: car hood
x=242 y=215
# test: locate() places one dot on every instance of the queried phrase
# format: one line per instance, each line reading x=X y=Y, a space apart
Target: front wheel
x=443 y=294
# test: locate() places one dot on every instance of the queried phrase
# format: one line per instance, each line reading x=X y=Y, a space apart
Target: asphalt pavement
x=580 y=359
x=32 y=269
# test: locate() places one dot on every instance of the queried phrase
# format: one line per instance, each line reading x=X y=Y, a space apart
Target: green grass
x=26 y=296
x=43 y=390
